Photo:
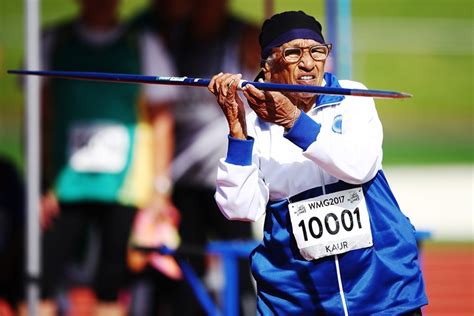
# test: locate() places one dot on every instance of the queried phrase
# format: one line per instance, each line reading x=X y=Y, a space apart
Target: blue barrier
x=230 y=252
x=422 y=235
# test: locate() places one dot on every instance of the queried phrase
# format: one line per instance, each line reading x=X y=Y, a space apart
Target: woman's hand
x=272 y=106
x=224 y=87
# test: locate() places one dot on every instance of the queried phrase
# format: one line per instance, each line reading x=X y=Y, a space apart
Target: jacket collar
x=329 y=80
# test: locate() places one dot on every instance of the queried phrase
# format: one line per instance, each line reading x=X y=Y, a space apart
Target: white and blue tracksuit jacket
x=335 y=146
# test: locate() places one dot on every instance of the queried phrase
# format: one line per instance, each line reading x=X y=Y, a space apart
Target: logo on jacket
x=337 y=124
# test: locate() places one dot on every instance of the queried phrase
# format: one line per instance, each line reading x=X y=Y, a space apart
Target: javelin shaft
x=201 y=82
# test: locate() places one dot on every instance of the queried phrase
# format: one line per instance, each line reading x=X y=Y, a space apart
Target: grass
x=435 y=126
x=467 y=245
x=424 y=47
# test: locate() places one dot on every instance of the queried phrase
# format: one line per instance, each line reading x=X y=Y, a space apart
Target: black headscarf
x=287 y=26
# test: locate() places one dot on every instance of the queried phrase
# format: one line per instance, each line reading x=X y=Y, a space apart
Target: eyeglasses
x=318 y=52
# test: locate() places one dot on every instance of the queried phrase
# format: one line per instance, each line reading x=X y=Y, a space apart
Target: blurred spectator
x=167 y=18
x=11 y=236
x=212 y=41
x=154 y=287
x=202 y=38
x=105 y=146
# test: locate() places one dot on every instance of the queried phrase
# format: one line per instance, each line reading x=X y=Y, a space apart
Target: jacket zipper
x=336 y=260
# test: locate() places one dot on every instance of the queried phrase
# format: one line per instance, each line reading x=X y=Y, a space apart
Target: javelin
x=200 y=82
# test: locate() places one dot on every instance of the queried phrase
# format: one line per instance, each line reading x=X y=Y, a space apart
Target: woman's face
x=306 y=71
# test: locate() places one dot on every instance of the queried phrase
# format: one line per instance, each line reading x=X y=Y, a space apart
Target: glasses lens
x=319 y=52
x=292 y=55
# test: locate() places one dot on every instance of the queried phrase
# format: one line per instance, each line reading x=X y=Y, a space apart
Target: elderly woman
x=335 y=241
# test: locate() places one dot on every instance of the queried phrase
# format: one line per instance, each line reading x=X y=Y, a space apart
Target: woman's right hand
x=224 y=87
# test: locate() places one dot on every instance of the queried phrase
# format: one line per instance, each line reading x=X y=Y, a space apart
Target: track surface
x=449 y=277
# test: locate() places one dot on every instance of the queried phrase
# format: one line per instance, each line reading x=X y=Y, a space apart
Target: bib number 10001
x=331 y=223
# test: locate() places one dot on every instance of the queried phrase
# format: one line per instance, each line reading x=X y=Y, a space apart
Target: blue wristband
x=304 y=131
x=239 y=151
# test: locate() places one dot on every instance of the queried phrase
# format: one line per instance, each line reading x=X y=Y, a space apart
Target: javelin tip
x=405 y=95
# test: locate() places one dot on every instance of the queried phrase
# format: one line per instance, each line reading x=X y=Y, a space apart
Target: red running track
x=449 y=278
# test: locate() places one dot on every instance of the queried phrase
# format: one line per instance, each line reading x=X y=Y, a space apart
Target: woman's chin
x=299 y=98
x=306 y=95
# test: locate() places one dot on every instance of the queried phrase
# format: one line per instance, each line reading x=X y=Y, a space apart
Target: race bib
x=98 y=147
x=331 y=224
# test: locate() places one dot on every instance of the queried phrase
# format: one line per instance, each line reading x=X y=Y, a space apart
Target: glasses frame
x=302 y=50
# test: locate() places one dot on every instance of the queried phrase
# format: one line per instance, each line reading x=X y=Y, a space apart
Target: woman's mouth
x=306 y=79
